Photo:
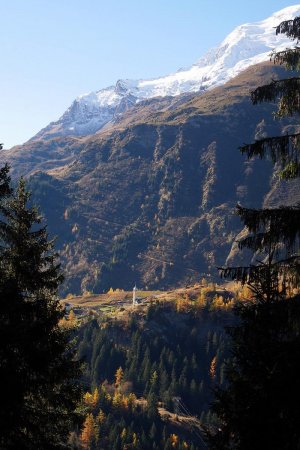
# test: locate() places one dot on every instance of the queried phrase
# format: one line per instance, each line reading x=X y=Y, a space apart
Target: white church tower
x=134 y=295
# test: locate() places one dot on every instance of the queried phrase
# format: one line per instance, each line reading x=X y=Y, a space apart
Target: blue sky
x=54 y=50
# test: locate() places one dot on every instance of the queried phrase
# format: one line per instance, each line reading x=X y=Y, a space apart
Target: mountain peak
x=286 y=13
x=246 y=45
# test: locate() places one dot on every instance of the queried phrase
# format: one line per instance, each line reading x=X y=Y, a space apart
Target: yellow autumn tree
x=100 y=417
x=88 y=399
x=95 y=397
x=72 y=318
x=134 y=440
x=89 y=432
x=64 y=323
x=203 y=282
x=174 y=440
x=123 y=434
x=131 y=400
x=213 y=366
x=117 y=400
x=119 y=377
x=70 y=322
x=201 y=299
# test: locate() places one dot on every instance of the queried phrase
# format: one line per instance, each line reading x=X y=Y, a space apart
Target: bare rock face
x=152 y=198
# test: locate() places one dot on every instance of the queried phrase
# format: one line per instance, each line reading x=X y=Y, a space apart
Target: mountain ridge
x=246 y=45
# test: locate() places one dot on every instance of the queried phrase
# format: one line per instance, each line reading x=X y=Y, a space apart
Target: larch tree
x=119 y=377
x=89 y=432
x=260 y=408
x=39 y=377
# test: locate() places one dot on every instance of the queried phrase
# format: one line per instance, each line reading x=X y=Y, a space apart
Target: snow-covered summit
x=246 y=45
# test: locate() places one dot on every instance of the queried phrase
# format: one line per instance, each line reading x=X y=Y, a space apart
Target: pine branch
x=238 y=273
x=290 y=27
x=282 y=149
x=258 y=242
x=287 y=269
x=289 y=57
x=286 y=91
x=281 y=225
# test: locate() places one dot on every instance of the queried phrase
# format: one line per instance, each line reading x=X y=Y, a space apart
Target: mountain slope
x=247 y=45
x=151 y=199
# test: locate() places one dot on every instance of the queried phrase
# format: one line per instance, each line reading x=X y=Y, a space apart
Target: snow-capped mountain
x=246 y=45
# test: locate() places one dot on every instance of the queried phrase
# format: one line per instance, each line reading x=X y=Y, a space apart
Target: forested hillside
x=149 y=378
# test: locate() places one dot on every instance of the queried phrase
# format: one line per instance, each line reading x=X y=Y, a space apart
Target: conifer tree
x=119 y=377
x=283 y=149
x=39 y=379
x=260 y=407
x=89 y=432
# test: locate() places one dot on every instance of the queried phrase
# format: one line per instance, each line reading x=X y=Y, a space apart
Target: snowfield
x=246 y=45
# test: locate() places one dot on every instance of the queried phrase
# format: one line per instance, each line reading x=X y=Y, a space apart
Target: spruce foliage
x=285 y=149
x=38 y=375
x=261 y=403
x=260 y=408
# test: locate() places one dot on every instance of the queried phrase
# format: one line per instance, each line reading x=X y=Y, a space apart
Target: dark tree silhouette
x=39 y=378
x=260 y=407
